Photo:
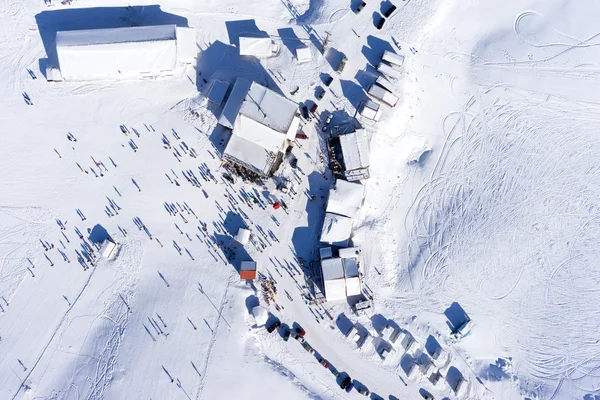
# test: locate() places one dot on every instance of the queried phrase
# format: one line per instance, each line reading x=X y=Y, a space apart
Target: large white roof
x=258 y=47
x=355 y=149
x=336 y=229
x=333 y=268
x=250 y=153
x=117 y=52
x=335 y=290
x=260 y=104
x=345 y=198
x=353 y=286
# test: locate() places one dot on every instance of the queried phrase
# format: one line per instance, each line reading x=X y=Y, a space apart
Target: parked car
x=346 y=382
x=380 y=23
x=389 y=11
x=298 y=338
x=360 y=7
x=427 y=396
x=323 y=362
x=273 y=325
x=308 y=348
x=335 y=372
x=301 y=135
x=343 y=62
x=300 y=331
x=328 y=80
x=349 y=387
x=364 y=391
x=320 y=93
x=286 y=335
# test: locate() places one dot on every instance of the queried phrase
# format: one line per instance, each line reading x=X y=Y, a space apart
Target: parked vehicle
x=298 y=338
x=389 y=11
x=364 y=391
x=320 y=93
x=349 y=387
x=323 y=362
x=286 y=335
x=359 y=8
x=329 y=80
x=273 y=325
x=301 y=135
x=380 y=23
x=300 y=331
x=308 y=348
x=314 y=108
x=346 y=382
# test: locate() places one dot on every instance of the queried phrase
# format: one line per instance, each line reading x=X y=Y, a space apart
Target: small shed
x=384 y=83
x=260 y=315
x=382 y=94
x=349 y=252
x=218 y=91
x=371 y=111
x=258 y=47
x=53 y=74
x=325 y=252
x=243 y=236
x=389 y=71
x=248 y=270
x=108 y=249
x=303 y=54
x=393 y=58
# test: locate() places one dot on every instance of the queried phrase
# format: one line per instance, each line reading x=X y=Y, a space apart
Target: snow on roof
x=293 y=129
x=257 y=46
x=261 y=315
x=332 y=269
x=269 y=108
x=250 y=153
x=303 y=54
x=349 y=252
x=90 y=37
x=345 y=198
x=382 y=94
x=243 y=236
x=355 y=149
x=218 y=91
x=108 y=249
x=336 y=229
x=350 y=267
x=393 y=58
x=325 y=252
x=186 y=45
x=371 y=110
x=383 y=82
x=335 y=290
x=234 y=102
x=353 y=286
x=260 y=104
x=389 y=71
x=53 y=74
x=117 y=52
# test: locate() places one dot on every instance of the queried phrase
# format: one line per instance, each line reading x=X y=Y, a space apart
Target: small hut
x=248 y=270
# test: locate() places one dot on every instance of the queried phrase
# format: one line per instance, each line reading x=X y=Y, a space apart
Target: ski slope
x=482 y=200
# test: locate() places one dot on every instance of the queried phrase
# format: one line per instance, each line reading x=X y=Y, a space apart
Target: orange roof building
x=248 y=270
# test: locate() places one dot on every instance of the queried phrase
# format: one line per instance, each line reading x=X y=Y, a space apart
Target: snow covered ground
x=483 y=199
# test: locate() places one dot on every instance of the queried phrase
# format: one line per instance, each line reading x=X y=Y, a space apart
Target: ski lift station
x=345 y=199
x=263 y=125
x=123 y=53
x=260 y=47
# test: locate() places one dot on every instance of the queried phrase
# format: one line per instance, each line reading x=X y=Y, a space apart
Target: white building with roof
x=340 y=278
x=345 y=199
x=260 y=47
x=123 y=53
x=263 y=125
x=355 y=153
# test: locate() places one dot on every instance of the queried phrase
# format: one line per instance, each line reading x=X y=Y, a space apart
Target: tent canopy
x=345 y=198
x=261 y=315
x=336 y=229
x=243 y=236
